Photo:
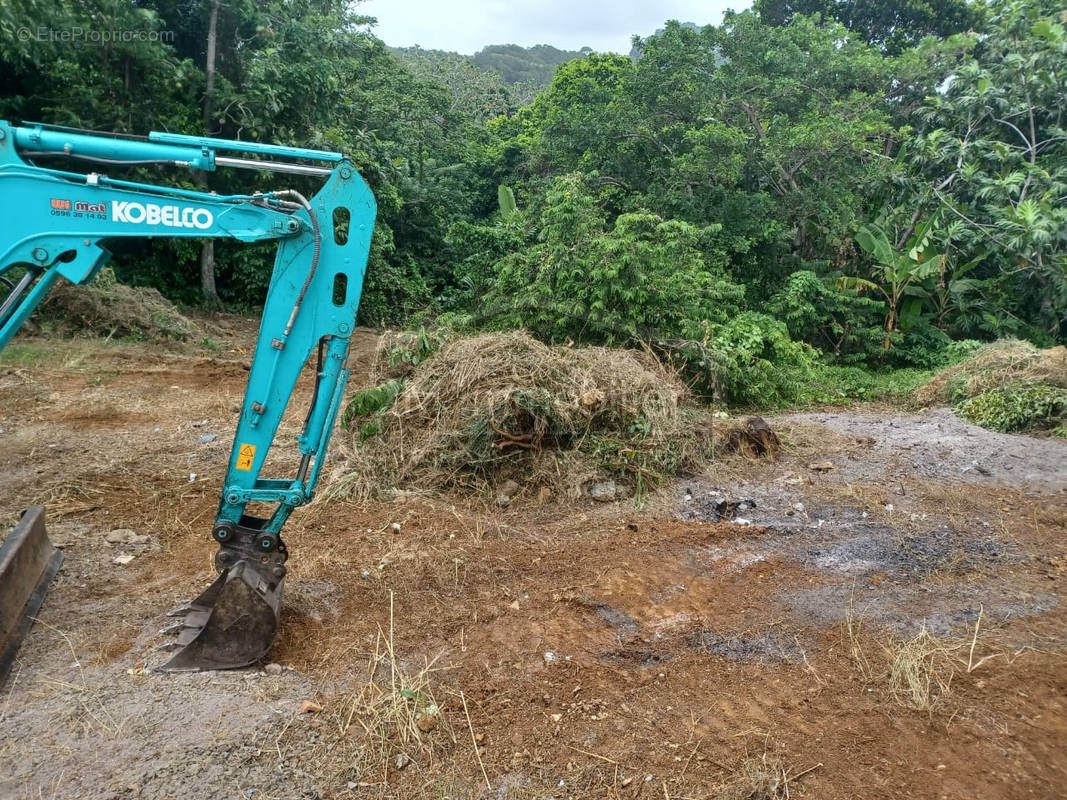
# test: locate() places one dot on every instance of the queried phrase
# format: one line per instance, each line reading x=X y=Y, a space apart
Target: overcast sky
x=468 y=25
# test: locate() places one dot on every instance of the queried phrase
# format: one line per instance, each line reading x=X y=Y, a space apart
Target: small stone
x=207 y=437
x=126 y=536
x=351 y=784
x=309 y=707
x=401 y=760
x=509 y=488
x=604 y=491
x=124 y=559
x=556 y=717
x=426 y=722
x=503 y=500
x=395 y=527
x=274 y=669
x=821 y=466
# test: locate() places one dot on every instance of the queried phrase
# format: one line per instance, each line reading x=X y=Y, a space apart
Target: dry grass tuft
x=921 y=670
x=766 y=776
x=395 y=706
x=752 y=438
x=488 y=408
x=853 y=631
x=998 y=364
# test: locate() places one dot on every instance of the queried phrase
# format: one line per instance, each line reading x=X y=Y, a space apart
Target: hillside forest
x=784 y=206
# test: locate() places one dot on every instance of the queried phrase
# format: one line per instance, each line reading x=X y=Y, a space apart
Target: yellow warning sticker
x=245 y=456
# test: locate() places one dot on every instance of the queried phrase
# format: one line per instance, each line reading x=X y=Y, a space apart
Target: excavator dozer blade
x=231 y=624
x=28 y=562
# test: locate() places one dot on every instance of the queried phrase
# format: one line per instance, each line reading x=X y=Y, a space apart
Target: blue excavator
x=61 y=211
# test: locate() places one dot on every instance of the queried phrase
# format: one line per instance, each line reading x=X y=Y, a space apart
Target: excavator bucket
x=231 y=624
x=28 y=562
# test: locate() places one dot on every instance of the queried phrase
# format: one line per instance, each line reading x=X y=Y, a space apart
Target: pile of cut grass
x=486 y=409
x=997 y=364
x=105 y=307
x=1008 y=386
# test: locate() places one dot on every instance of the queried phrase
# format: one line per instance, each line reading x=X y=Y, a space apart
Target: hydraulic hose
x=112 y=162
x=303 y=203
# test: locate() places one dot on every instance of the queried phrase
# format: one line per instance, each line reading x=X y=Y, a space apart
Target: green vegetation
x=1017 y=407
x=812 y=201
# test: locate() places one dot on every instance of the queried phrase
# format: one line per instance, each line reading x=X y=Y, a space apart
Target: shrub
x=645 y=279
x=838 y=320
x=920 y=344
x=748 y=361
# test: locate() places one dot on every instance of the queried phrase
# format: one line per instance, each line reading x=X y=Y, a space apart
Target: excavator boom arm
x=61 y=228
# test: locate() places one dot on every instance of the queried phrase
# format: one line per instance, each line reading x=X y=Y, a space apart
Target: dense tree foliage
x=807 y=184
x=302 y=72
x=892 y=25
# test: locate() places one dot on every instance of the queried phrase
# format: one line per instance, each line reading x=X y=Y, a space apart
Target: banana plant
x=900 y=274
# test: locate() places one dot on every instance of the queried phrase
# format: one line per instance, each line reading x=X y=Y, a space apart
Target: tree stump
x=753 y=439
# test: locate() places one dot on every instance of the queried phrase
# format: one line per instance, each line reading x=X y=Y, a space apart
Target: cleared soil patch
x=703 y=643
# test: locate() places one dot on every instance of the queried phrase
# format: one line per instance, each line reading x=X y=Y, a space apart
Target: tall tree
x=991 y=158
x=207 y=249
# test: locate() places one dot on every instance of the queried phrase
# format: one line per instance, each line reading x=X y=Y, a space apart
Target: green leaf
x=872 y=239
x=505 y=199
x=1042 y=29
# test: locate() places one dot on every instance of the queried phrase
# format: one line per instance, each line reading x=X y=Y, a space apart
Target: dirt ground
x=749 y=633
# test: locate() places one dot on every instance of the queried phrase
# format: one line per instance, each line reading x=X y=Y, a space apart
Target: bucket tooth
x=231 y=624
x=28 y=562
x=180 y=611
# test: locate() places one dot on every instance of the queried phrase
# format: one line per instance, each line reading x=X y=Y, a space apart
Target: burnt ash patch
x=762 y=648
